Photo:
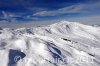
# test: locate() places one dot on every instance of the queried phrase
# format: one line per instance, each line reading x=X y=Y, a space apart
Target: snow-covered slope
x=60 y=44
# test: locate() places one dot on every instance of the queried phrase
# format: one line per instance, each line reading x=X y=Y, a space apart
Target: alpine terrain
x=61 y=44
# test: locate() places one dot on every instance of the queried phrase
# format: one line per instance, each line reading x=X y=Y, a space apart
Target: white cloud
x=77 y=8
x=95 y=19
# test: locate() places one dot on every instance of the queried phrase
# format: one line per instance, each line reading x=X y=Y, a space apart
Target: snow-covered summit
x=72 y=43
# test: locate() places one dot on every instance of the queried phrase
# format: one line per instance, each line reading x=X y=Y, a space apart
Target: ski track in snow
x=62 y=40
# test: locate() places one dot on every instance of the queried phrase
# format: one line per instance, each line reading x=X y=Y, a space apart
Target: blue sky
x=26 y=11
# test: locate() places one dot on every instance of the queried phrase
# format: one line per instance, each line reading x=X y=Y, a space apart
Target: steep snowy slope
x=60 y=44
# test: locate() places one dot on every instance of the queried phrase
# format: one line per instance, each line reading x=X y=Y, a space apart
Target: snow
x=43 y=45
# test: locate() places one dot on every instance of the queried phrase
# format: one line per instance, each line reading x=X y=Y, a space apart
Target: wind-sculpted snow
x=60 y=44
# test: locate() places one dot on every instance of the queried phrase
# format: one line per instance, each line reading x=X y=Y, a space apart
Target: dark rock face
x=66 y=39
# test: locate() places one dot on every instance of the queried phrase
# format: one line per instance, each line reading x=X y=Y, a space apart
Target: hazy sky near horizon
x=14 y=12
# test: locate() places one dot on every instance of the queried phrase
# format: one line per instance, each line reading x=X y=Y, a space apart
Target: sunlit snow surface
x=60 y=44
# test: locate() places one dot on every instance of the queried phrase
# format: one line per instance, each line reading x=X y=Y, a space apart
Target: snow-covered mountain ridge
x=63 y=40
